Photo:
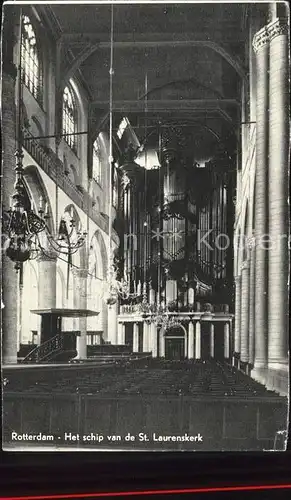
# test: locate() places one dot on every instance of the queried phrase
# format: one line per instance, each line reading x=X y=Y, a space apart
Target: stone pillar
x=135 y=337
x=226 y=341
x=198 y=340
x=9 y=275
x=162 y=343
x=212 y=340
x=252 y=312
x=80 y=302
x=191 y=340
x=47 y=280
x=186 y=336
x=154 y=340
x=278 y=195
x=121 y=333
x=145 y=339
x=112 y=323
x=244 y=340
x=261 y=47
x=237 y=314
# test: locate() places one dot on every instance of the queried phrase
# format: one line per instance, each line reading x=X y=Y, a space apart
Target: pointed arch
x=97 y=243
x=70 y=117
x=32 y=70
x=79 y=259
x=36 y=189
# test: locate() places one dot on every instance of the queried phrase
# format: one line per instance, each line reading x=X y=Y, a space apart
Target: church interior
x=145 y=221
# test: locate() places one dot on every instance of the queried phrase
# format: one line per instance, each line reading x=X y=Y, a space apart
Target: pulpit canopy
x=65 y=313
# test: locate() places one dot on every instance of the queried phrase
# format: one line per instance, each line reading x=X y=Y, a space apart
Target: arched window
x=31 y=64
x=97 y=164
x=69 y=118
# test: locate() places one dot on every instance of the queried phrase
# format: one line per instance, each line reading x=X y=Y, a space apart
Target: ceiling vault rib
x=89 y=50
x=81 y=57
x=168 y=104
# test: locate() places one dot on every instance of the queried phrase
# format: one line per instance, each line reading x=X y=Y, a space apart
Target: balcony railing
x=45 y=350
x=47 y=159
x=129 y=309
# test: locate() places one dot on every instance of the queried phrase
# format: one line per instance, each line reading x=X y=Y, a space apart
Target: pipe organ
x=176 y=227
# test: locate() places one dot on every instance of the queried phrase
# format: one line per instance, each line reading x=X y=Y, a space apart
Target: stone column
x=198 y=340
x=162 y=343
x=47 y=280
x=212 y=340
x=186 y=337
x=80 y=302
x=112 y=323
x=237 y=314
x=252 y=312
x=9 y=275
x=226 y=341
x=191 y=340
x=121 y=333
x=244 y=341
x=278 y=195
x=135 y=337
x=145 y=337
x=154 y=340
x=47 y=292
x=261 y=47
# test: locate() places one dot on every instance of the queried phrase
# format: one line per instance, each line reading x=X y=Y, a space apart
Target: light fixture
x=114 y=288
x=68 y=239
x=20 y=224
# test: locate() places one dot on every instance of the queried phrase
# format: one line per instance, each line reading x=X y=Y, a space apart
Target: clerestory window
x=31 y=62
x=69 y=119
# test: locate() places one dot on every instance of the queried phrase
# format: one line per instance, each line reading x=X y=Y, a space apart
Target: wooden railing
x=45 y=350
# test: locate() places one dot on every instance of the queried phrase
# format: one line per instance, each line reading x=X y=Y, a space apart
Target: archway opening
x=175 y=342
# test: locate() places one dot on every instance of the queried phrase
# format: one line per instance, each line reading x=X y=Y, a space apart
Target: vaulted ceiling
x=180 y=61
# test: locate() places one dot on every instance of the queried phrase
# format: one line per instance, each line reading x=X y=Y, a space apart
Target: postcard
x=145 y=226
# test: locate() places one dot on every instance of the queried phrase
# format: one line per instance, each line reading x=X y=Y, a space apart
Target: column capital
x=269 y=32
x=277 y=27
x=260 y=39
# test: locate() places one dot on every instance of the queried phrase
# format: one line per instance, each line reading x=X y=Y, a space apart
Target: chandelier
x=158 y=315
x=114 y=288
x=119 y=288
x=68 y=239
x=20 y=224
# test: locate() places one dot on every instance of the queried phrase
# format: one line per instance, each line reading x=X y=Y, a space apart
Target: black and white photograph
x=145 y=226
